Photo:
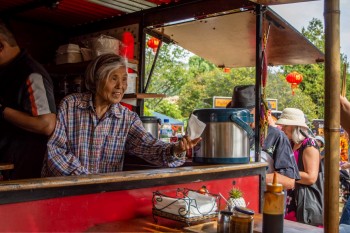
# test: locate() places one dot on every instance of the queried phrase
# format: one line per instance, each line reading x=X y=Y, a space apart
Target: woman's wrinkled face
x=288 y=130
x=112 y=91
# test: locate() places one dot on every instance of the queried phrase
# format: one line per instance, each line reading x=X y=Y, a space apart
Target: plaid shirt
x=84 y=144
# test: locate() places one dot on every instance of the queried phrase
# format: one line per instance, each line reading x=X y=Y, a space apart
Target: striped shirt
x=84 y=144
x=27 y=87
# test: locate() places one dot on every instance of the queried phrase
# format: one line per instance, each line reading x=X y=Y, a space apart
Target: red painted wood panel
x=78 y=213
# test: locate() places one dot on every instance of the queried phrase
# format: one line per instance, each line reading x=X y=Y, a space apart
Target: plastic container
x=165 y=131
x=273 y=211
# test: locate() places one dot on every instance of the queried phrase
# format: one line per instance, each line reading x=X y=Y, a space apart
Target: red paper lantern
x=294 y=79
x=153 y=43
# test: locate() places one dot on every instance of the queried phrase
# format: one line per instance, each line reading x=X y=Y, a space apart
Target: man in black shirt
x=276 y=149
x=27 y=109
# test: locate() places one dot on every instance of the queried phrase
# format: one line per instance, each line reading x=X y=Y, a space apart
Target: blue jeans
x=345 y=216
x=343 y=228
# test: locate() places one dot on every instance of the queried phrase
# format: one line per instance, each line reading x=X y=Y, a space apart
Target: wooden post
x=332 y=115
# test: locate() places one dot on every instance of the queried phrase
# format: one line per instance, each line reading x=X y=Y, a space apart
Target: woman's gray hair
x=100 y=68
x=297 y=136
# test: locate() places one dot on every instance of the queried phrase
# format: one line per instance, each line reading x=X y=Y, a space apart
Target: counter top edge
x=124 y=176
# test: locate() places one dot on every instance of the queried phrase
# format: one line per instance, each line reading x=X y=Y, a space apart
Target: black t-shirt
x=278 y=147
x=27 y=87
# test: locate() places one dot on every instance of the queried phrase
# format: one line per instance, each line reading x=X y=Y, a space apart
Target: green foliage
x=168 y=74
x=200 y=90
x=315 y=33
x=313 y=74
x=168 y=77
x=235 y=193
x=168 y=109
x=312 y=84
x=278 y=88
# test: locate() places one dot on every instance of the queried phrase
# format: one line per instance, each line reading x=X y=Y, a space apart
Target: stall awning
x=229 y=40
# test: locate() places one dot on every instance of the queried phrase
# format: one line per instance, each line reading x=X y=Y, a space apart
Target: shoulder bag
x=309 y=199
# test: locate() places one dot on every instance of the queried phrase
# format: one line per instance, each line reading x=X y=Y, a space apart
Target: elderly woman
x=94 y=131
x=307 y=155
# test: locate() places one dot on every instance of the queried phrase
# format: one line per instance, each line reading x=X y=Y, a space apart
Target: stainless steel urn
x=226 y=136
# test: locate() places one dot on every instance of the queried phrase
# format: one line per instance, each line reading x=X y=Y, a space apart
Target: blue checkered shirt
x=84 y=144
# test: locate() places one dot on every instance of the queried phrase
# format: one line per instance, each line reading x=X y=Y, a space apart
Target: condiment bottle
x=242 y=220
x=224 y=221
x=273 y=211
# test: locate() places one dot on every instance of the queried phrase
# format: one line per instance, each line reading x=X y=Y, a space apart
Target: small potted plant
x=236 y=198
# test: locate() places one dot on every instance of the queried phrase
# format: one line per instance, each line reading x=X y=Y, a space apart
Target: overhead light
x=128 y=6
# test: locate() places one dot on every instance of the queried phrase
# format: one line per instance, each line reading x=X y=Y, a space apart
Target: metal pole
x=141 y=68
x=258 y=71
x=153 y=66
x=332 y=115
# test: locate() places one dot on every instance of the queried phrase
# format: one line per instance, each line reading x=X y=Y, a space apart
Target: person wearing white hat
x=307 y=155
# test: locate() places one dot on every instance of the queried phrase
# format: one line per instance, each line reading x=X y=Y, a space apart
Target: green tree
x=278 y=88
x=168 y=77
x=202 y=87
x=313 y=74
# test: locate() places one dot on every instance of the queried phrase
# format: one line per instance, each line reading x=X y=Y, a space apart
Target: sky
x=300 y=14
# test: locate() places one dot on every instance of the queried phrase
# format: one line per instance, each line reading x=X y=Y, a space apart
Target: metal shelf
x=143 y=96
x=78 y=68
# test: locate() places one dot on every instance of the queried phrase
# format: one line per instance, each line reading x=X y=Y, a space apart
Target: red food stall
x=79 y=203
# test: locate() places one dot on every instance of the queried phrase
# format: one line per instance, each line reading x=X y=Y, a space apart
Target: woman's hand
x=345 y=166
x=186 y=143
x=345 y=113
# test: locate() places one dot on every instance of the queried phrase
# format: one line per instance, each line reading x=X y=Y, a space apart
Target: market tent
x=172 y=121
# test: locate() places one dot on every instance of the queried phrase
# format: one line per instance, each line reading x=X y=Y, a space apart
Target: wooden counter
x=148 y=225
x=69 y=185
x=77 y=203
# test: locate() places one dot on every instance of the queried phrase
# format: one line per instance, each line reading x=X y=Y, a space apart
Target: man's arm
x=43 y=124
x=288 y=183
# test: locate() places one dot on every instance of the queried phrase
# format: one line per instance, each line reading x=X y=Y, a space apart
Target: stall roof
x=72 y=13
x=229 y=40
x=225 y=40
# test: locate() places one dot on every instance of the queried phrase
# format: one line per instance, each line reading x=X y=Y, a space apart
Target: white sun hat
x=292 y=116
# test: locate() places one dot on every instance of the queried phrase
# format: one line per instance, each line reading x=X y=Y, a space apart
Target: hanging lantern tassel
x=153 y=43
x=294 y=79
